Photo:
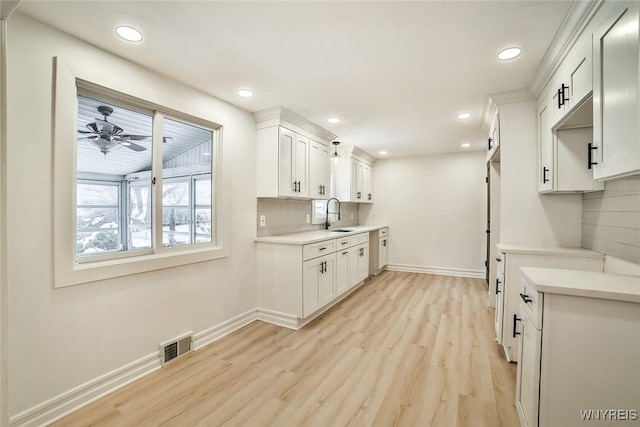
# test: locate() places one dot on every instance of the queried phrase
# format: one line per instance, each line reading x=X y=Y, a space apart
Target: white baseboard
x=210 y=335
x=456 y=272
x=72 y=400
x=277 y=318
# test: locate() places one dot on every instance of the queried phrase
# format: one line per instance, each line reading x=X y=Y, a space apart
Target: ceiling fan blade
x=88 y=138
x=132 y=146
x=167 y=139
x=135 y=137
x=85 y=131
x=93 y=127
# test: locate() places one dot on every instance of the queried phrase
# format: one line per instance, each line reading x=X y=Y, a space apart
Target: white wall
x=435 y=206
x=62 y=338
x=527 y=217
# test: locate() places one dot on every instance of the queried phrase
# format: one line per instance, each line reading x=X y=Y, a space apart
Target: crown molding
x=282 y=116
x=575 y=22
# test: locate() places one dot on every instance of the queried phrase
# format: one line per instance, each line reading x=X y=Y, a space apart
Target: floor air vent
x=175 y=348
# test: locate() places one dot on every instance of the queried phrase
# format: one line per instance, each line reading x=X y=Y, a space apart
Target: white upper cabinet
x=354 y=176
x=319 y=171
x=565 y=125
x=292 y=156
x=293 y=152
x=616 y=141
x=572 y=84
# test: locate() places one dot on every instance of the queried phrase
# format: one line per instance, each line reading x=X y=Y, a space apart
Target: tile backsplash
x=285 y=216
x=611 y=219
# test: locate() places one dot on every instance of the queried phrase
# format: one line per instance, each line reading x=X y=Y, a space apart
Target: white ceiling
x=396 y=73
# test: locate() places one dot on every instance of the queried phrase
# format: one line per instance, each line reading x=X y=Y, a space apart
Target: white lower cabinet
x=508 y=283
x=379 y=251
x=579 y=358
x=296 y=282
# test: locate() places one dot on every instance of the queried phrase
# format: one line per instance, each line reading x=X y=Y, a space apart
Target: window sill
x=87 y=272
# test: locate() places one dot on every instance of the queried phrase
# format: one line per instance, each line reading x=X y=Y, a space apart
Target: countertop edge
x=587 y=284
x=548 y=250
x=300 y=239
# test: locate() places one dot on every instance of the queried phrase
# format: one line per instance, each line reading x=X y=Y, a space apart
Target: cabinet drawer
x=531 y=302
x=343 y=243
x=359 y=238
x=314 y=250
x=383 y=232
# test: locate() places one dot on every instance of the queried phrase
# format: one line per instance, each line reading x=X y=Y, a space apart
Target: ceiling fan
x=107 y=136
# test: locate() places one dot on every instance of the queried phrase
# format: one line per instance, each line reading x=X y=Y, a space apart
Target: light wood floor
x=403 y=350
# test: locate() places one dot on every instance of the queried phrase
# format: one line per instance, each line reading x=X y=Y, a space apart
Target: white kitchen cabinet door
x=616 y=141
x=528 y=378
x=300 y=165
x=318 y=170
x=292 y=164
x=579 y=68
x=287 y=184
x=359 y=264
x=499 y=312
x=367 y=183
x=545 y=148
x=356 y=180
x=342 y=271
x=383 y=252
x=317 y=283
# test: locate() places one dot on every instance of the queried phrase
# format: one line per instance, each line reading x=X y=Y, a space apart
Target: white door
x=383 y=252
x=363 y=262
x=342 y=272
x=499 y=313
x=286 y=184
x=312 y=271
x=327 y=280
x=300 y=166
x=528 y=376
x=546 y=170
x=367 y=183
x=318 y=170
x=615 y=92
x=356 y=180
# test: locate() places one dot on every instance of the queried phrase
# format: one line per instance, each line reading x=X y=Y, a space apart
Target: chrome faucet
x=327 y=223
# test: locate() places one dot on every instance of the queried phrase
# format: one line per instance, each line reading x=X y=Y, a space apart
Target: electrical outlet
x=308 y=219
x=263 y=220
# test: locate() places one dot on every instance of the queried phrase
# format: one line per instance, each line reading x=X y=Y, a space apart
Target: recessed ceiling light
x=464 y=116
x=333 y=120
x=128 y=33
x=245 y=93
x=465 y=145
x=383 y=153
x=509 y=53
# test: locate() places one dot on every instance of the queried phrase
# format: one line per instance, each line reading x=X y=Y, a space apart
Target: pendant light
x=335 y=156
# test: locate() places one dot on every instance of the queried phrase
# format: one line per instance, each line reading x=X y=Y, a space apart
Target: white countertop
x=547 y=250
x=584 y=283
x=305 y=237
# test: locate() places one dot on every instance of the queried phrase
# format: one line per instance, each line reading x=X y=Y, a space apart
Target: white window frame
x=67 y=270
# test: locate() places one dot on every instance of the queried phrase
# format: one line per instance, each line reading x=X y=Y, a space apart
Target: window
x=115 y=155
x=136 y=174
